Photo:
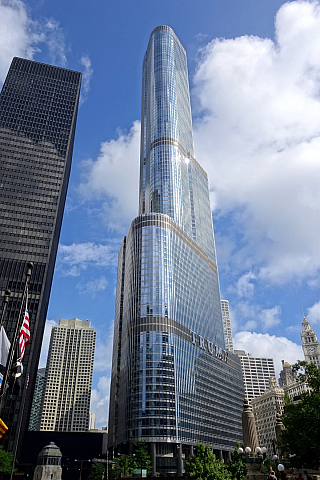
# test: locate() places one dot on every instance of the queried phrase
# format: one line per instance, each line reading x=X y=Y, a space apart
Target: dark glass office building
x=38 y=111
x=173 y=382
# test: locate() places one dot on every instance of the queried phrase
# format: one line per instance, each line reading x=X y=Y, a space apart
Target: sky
x=254 y=72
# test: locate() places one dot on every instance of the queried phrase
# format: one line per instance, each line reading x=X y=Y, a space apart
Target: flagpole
x=7 y=294
x=15 y=336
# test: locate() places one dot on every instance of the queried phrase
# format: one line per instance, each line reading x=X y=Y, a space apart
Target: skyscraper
x=173 y=383
x=38 y=111
x=256 y=372
x=37 y=401
x=67 y=391
x=227 y=325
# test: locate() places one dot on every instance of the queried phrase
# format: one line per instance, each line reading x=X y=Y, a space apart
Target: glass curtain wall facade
x=173 y=382
x=38 y=111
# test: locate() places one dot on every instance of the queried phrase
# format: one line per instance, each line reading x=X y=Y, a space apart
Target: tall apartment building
x=173 y=382
x=310 y=343
x=256 y=373
x=265 y=408
x=227 y=325
x=38 y=111
x=36 y=408
x=66 y=399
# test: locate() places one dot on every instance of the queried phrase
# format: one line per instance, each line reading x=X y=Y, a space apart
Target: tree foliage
x=237 y=466
x=124 y=465
x=142 y=456
x=97 y=471
x=6 y=459
x=204 y=465
x=300 y=441
x=267 y=463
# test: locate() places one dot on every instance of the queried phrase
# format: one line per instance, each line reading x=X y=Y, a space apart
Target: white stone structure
x=310 y=343
x=265 y=409
x=49 y=463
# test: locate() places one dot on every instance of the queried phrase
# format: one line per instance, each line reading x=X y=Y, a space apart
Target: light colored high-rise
x=265 y=409
x=68 y=377
x=256 y=373
x=310 y=343
x=227 y=325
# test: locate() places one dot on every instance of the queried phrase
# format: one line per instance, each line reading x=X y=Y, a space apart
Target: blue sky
x=255 y=80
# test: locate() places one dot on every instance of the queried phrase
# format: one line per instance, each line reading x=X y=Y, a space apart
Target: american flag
x=24 y=332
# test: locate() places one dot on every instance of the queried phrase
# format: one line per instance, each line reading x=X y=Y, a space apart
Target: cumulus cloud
x=113 y=179
x=72 y=259
x=257 y=133
x=270 y=346
x=244 y=286
x=22 y=36
x=246 y=315
x=313 y=313
x=45 y=342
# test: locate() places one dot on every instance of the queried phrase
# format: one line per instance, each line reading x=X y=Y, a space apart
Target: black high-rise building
x=38 y=111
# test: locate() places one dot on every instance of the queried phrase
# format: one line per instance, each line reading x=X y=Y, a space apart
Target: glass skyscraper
x=173 y=383
x=38 y=111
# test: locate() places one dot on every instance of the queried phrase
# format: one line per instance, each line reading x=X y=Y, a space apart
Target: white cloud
x=270 y=346
x=313 y=313
x=93 y=286
x=45 y=342
x=270 y=317
x=85 y=61
x=54 y=38
x=244 y=287
x=251 y=316
x=76 y=257
x=103 y=352
x=22 y=36
x=18 y=34
x=100 y=401
x=102 y=363
x=113 y=179
x=258 y=136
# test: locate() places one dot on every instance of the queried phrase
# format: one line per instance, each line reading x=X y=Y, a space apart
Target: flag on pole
x=4 y=347
x=24 y=332
x=3 y=428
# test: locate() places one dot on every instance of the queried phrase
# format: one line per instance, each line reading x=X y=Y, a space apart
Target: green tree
x=97 y=471
x=300 y=440
x=237 y=466
x=267 y=463
x=6 y=459
x=123 y=466
x=204 y=466
x=142 y=456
